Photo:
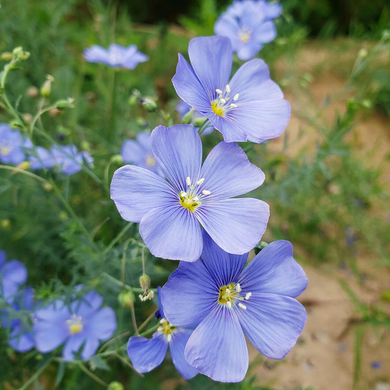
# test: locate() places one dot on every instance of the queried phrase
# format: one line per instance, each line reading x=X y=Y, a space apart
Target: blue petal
x=228 y=172
x=96 y=54
x=274 y=10
x=211 y=59
x=189 y=294
x=189 y=88
x=21 y=341
x=90 y=347
x=224 y=268
x=88 y=304
x=144 y=138
x=136 y=191
x=275 y=271
x=73 y=345
x=160 y=305
x=272 y=323
x=231 y=131
x=227 y=26
x=42 y=159
x=176 y=346
x=217 y=347
x=178 y=151
x=236 y=225
x=101 y=324
x=266 y=32
x=3 y=258
x=147 y=354
x=172 y=232
x=132 y=152
x=249 y=50
x=15 y=271
x=50 y=329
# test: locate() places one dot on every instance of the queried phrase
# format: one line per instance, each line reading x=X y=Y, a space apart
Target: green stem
x=203 y=127
x=93 y=376
x=117 y=238
x=36 y=374
x=150 y=330
x=111 y=129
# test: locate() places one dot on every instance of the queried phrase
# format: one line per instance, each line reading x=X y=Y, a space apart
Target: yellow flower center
x=245 y=35
x=230 y=293
x=5 y=151
x=189 y=201
x=167 y=329
x=216 y=108
x=150 y=161
x=223 y=103
x=75 y=324
x=191 y=198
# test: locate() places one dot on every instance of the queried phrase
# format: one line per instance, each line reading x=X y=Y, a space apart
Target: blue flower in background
x=115 y=56
x=20 y=337
x=224 y=301
x=41 y=158
x=12 y=145
x=83 y=323
x=248 y=24
x=250 y=107
x=68 y=160
x=172 y=211
x=139 y=152
x=182 y=108
x=147 y=354
x=12 y=275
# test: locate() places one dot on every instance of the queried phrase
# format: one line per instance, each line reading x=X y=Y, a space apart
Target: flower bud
x=141 y=122
x=187 y=118
x=115 y=386
x=64 y=104
x=5 y=223
x=199 y=122
x=85 y=145
x=17 y=51
x=15 y=124
x=46 y=86
x=48 y=187
x=260 y=246
x=24 y=165
x=149 y=104
x=27 y=117
x=133 y=100
x=20 y=54
x=126 y=299
x=144 y=282
x=367 y=103
x=363 y=53
x=33 y=92
x=117 y=159
x=6 y=56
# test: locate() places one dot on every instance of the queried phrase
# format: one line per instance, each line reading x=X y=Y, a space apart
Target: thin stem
x=127 y=363
x=143 y=261
x=111 y=128
x=117 y=238
x=204 y=126
x=133 y=319
x=108 y=343
x=146 y=322
x=24 y=172
x=93 y=376
x=151 y=330
x=36 y=374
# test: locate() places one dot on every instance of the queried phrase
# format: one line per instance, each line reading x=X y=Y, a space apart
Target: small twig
x=93 y=376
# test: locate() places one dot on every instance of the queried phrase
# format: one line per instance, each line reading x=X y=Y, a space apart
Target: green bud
x=126 y=299
x=133 y=100
x=46 y=86
x=6 y=56
x=115 y=386
x=367 y=103
x=64 y=104
x=20 y=54
x=260 y=246
x=363 y=53
x=187 y=118
x=85 y=145
x=17 y=51
x=198 y=122
x=5 y=223
x=351 y=105
x=386 y=34
x=117 y=159
x=141 y=122
x=149 y=104
x=144 y=282
x=15 y=124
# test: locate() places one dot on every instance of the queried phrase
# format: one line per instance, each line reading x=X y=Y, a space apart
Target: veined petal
x=266 y=32
x=228 y=172
x=236 y=225
x=178 y=151
x=227 y=26
x=189 y=88
x=21 y=341
x=15 y=271
x=222 y=266
x=90 y=347
x=230 y=131
x=88 y=304
x=217 y=347
x=73 y=345
x=275 y=271
x=272 y=323
x=132 y=152
x=189 y=294
x=102 y=324
x=147 y=354
x=211 y=59
x=172 y=232
x=96 y=54
x=176 y=346
x=249 y=50
x=136 y=191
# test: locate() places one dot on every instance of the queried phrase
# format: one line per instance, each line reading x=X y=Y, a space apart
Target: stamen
x=229 y=304
x=205 y=192
x=242 y=306
x=238 y=287
x=169 y=337
x=188 y=180
x=218 y=91
x=223 y=101
x=236 y=96
x=233 y=105
x=248 y=295
x=200 y=181
x=163 y=320
x=228 y=88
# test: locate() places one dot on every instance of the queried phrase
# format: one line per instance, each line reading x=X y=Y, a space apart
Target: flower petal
x=178 y=151
x=224 y=268
x=185 y=304
x=211 y=59
x=249 y=50
x=102 y=324
x=86 y=305
x=136 y=191
x=266 y=32
x=274 y=10
x=3 y=258
x=172 y=232
x=228 y=172
x=217 y=347
x=132 y=152
x=90 y=347
x=189 y=88
x=73 y=345
x=275 y=271
x=236 y=225
x=272 y=323
x=15 y=271
x=147 y=354
x=176 y=346
x=96 y=54
x=21 y=342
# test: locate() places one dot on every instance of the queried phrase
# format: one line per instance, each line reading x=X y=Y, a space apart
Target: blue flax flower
x=82 y=323
x=139 y=152
x=147 y=354
x=68 y=160
x=248 y=24
x=115 y=56
x=12 y=275
x=12 y=145
x=250 y=107
x=171 y=211
x=41 y=158
x=224 y=301
x=20 y=337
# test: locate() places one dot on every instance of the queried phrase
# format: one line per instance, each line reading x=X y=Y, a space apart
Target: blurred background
x=327 y=176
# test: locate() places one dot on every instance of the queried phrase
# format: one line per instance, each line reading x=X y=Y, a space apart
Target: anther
x=228 y=88
x=200 y=181
x=205 y=192
x=169 y=337
x=229 y=304
x=238 y=287
x=242 y=306
x=248 y=295
x=218 y=91
x=233 y=105
x=188 y=180
x=236 y=96
x=223 y=101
